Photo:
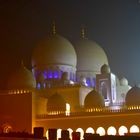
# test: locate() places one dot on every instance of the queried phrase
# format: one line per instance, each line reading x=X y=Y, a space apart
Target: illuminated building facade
x=70 y=87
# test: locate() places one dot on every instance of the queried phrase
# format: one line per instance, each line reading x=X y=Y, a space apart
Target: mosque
x=70 y=87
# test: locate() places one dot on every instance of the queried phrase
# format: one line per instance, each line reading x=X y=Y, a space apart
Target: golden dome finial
x=82 y=32
x=53 y=28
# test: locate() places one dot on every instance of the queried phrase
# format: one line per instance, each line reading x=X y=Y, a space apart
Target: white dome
x=55 y=50
x=105 y=69
x=22 y=79
x=94 y=99
x=133 y=96
x=123 y=82
x=90 y=56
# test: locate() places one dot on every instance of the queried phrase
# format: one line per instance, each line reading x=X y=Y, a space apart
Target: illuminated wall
x=16 y=110
x=69 y=93
x=111 y=124
x=122 y=130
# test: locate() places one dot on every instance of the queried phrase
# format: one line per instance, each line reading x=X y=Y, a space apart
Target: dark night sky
x=114 y=24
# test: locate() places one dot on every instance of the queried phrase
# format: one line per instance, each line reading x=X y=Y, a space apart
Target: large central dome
x=55 y=50
x=90 y=56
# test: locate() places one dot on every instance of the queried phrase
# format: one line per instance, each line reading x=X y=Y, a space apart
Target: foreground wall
x=95 y=121
x=16 y=111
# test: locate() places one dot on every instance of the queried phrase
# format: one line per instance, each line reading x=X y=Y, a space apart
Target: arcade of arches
x=122 y=130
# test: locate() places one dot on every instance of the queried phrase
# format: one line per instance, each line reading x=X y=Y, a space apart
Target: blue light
x=36 y=74
x=88 y=81
x=61 y=72
x=94 y=82
x=49 y=74
x=71 y=76
x=38 y=85
x=45 y=75
x=55 y=74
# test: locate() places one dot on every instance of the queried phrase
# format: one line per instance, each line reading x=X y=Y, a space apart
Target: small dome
x=94 y=99
x=56 y=103
x=105 y=69
x=124 y=82
x=133 y=96
x=56 y=50
x=22 y=79
x=90 y=56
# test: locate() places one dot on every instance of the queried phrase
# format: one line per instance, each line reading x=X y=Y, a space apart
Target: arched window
x=55 y=74
x=111 y=131
x=81 y=132
x=101 y=131
x=122 y=130
x=88 y=81
x=104 y=89
x=90 y=130
x=45 y=75
x=38 y=85
x=47 y=135
x=70 y=132
x=134 y=129
x=71 y=76
x=67 y=109
x=61 y=72
x=49 y=74
x=59 y=133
